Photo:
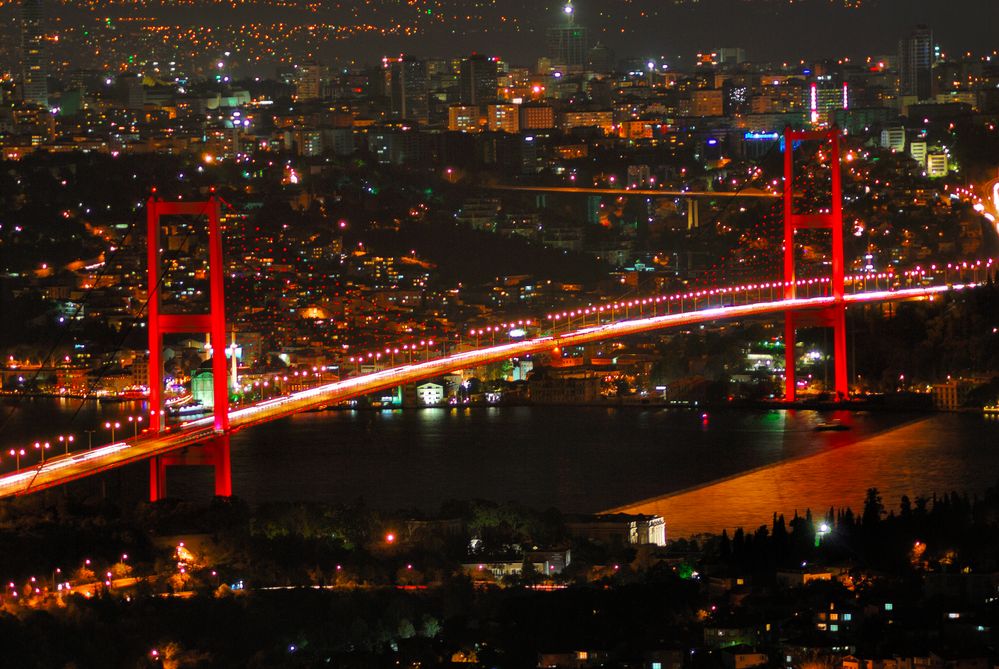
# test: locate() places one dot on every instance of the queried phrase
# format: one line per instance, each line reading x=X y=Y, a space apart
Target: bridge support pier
x=833 y=317
x=214 y=454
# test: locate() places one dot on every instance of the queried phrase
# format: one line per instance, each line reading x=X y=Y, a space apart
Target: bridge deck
x=63 y=469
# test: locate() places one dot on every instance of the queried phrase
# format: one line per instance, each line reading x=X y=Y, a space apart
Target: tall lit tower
x=409 y=87
x=915 y=61
x=568 y=43
x=477 y=80
x=33 y=75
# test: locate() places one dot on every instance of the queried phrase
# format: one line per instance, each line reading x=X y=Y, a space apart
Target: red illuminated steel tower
x=215 y=450
x=833 y=316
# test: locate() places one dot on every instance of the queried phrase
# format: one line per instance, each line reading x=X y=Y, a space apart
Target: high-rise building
x=131 y=93
x=310 y=81
x=723 y=57
x=825 y=96
x=730 y=56
x=703 y=102
x=477 y=80
x=463 y=118
x=408 y=88
x=537 y=117
x=600 y=58
x=915 y=63
x=568 y=43
x=34 y=72
x=735 y=97
x=503 y=118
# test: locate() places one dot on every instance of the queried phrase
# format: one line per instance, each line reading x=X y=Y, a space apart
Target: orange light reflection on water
x=908 y=460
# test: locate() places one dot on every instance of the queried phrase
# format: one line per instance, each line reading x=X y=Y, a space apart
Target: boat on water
x=831 y=426
x=189 y=407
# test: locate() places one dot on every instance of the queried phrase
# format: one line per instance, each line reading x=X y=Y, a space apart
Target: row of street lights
x=41 y=447
x=135 y=422
x=67 y=440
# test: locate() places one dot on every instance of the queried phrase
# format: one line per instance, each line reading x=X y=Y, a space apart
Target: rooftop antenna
x=569 y=12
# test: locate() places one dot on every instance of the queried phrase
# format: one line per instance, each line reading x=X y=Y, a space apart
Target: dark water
x=575 y=459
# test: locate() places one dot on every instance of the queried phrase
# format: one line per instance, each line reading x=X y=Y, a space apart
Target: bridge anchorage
x=214 y=449
x=833 y=316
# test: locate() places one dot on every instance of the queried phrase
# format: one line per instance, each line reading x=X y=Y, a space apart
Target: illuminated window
x=888 y=606
x=834 y=628
x=847 y=617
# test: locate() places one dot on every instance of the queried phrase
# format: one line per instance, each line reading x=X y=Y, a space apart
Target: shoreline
x=749 y=472
x=901 y=460
x=874 y=403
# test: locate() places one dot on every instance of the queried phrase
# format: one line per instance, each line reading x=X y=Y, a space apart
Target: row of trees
x=949 y=532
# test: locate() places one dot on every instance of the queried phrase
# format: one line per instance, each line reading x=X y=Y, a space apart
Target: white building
x=936 y=165
x=430 y=393
x=893 y=138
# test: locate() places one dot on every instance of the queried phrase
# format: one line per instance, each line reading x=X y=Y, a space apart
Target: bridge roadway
x=650 y=192
x=65 y=468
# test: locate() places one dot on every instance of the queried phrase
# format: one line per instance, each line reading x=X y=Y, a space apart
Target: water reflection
x=931 y=455
x=737 y=466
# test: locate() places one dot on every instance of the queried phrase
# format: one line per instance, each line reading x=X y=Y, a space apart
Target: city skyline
x=293 y=292
x=517 y=32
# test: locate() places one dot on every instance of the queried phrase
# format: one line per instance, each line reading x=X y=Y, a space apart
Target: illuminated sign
x=815 y=103
x=762 y=136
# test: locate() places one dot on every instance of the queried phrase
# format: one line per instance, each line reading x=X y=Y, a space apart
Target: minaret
x=233 y=380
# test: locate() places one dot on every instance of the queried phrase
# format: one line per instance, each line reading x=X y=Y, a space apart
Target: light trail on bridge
x=649 y=192
x=63 y=469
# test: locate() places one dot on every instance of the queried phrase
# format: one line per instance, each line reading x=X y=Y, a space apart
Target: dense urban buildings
x=470 y=250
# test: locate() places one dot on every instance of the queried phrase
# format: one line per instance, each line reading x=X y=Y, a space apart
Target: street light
x=42 y=447
x=90 y=439
x=17 y=453
x=66 y=440
x=135 y=420
x=112 y=426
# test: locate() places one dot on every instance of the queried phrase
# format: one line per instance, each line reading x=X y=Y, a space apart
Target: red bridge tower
x=831 y=219
x=214 y=451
